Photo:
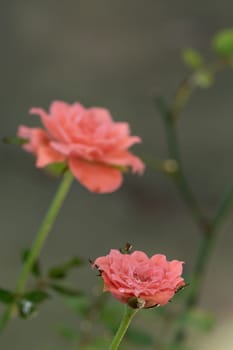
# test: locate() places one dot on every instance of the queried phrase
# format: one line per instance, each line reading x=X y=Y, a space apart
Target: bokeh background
x=115 y=54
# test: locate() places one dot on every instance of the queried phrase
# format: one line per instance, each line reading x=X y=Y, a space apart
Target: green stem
x=195 y=284
x=191 y=83
x=224 y=209
x=202 y=259
x=179 y=176
x=208 y=229
x=39 y=242
x=206 y=246
x=126 y=320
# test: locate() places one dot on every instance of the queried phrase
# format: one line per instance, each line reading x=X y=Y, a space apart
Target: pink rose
x=93 y=145
x=152 y=280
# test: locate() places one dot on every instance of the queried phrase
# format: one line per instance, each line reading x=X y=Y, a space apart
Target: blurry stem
x=208 y=228
x=207 y=242
x=126 y=320
x=225 y=207
x=202 y=259
x=187 y=87
x=178 y=176
x=39 y=242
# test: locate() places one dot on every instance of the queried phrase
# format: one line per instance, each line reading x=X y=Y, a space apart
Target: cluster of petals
x=93 y=145
x=152 y=280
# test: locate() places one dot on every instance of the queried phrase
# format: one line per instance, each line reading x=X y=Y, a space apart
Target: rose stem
x=126 y=320
x=202 y=260
x=208 y=228
x=39 y=241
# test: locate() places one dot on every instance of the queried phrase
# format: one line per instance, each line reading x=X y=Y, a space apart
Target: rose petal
x=160 y=298
x=54 y=128
x=35 y=136
x=175 y=266
x=101 y=115
x=58 y=108
x=159 y=259
x=139 y=256
x=90 y=153
x=96 y=177
x=125 y=158
x=46 y=155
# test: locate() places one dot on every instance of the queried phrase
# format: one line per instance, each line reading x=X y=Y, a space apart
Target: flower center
x=140 y=277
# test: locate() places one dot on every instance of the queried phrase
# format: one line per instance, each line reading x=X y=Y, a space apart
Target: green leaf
x=139 y=337
x=59 y=272
x=36 y=270
x=14 y=140
x=199 y=319
x=192 y=58
x=64 y=290
x=36 y=296
x=6 y=296
x=223 y=42
x=56 y=169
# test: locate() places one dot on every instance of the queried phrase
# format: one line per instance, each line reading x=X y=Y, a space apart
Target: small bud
x=203 y=78
x=127 y=248
x=192 y=58
x=170 y=166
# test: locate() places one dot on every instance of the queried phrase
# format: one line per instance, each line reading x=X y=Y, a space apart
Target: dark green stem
x=204 y=252
x=205 y=249
x=38 y=243
x=207 y=228
x=179 y=176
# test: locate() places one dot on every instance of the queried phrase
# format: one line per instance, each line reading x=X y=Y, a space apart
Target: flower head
x=151 y=281
x=93 y=145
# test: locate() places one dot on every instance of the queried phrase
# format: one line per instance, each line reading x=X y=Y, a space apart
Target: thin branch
x=179 y=176
x=208 y=228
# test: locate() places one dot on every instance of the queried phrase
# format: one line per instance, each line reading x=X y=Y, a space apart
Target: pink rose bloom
x=152 y=280
x=93 y=145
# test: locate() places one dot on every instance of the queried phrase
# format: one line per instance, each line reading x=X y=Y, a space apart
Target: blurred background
x=115 y=54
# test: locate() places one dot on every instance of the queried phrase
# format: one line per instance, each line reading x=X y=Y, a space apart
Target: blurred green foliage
x=192 y=58
x=223 y=42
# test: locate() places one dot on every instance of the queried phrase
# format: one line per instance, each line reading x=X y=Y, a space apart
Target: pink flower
x=93 y=145
x=152 y=280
